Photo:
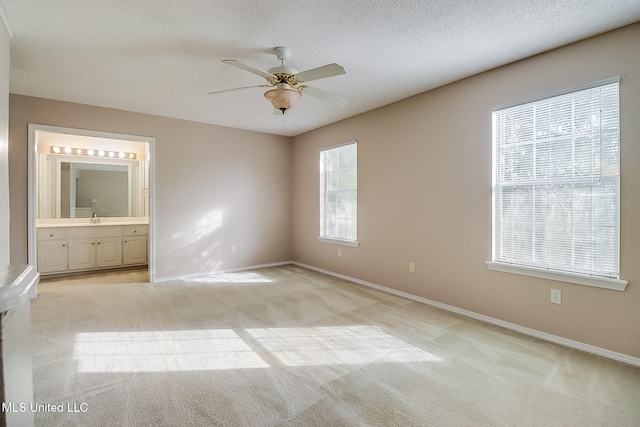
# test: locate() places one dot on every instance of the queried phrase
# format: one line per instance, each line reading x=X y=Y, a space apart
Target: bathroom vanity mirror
x=80 y=187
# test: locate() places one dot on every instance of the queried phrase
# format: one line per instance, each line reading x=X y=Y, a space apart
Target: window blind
x=557 y=182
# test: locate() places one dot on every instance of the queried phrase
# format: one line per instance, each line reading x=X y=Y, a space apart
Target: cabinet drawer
x=52 y=233
x=135 y=230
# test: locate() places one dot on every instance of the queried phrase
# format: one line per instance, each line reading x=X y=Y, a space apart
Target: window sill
x=580 y=279
x=352 y=243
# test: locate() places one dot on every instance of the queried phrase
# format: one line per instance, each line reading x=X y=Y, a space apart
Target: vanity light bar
x=88 y=152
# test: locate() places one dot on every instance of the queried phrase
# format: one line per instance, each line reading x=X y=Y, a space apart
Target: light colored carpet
x=286 y=346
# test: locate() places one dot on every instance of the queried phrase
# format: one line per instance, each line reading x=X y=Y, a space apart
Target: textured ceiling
x=162 y=57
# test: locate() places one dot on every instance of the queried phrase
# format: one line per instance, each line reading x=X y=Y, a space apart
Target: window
x=339 y=194
x=557 y=184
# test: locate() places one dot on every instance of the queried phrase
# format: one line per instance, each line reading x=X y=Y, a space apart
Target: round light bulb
x=90 y=152
x=56 y=150
x=67 y=150
x=121 y=155
x=111 y=154
x=100 y=153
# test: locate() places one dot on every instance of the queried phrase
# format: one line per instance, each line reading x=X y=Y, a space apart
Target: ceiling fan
x=288 y=83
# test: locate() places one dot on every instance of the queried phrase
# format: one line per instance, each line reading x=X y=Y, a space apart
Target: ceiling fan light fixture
x=287 y=82
x=283 y=98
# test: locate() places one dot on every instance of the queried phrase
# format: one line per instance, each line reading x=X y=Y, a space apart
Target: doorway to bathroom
x=90 y=201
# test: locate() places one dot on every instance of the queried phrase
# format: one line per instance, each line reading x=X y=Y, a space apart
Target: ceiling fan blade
x=237 y=88
x=325 y=96
x=248 y=68
x=328 y=70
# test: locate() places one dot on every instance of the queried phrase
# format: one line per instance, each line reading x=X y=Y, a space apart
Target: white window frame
x=614 y=283
x=323 y=235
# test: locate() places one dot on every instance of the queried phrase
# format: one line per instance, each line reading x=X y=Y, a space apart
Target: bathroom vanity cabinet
x=92 y=247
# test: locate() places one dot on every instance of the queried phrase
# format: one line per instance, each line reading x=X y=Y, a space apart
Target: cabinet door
x=82 y=254
x=52 y=256
x=134 y=250
x=109 y=252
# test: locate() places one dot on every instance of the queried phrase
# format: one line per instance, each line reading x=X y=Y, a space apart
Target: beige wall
x=214 y=187
x=424 y=196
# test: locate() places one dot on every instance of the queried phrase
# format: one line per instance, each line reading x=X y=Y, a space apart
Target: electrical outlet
x=556 y=296
x=339 y=252
x=412 y=267
x=233 y=248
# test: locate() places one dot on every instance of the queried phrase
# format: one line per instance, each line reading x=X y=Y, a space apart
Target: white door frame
x=32 y=184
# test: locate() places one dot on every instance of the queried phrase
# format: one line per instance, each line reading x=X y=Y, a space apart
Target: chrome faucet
x=95 y=219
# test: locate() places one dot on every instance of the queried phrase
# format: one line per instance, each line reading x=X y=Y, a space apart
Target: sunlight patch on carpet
x=337 y=345
x=222 y=349
x=235 y=278
x=164 y=351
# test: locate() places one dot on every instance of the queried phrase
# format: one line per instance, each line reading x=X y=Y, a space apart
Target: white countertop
x=85 y=222
x=17 y=285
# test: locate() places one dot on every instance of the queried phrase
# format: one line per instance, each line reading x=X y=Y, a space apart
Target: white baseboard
x=229 y=270
x=527 y=331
